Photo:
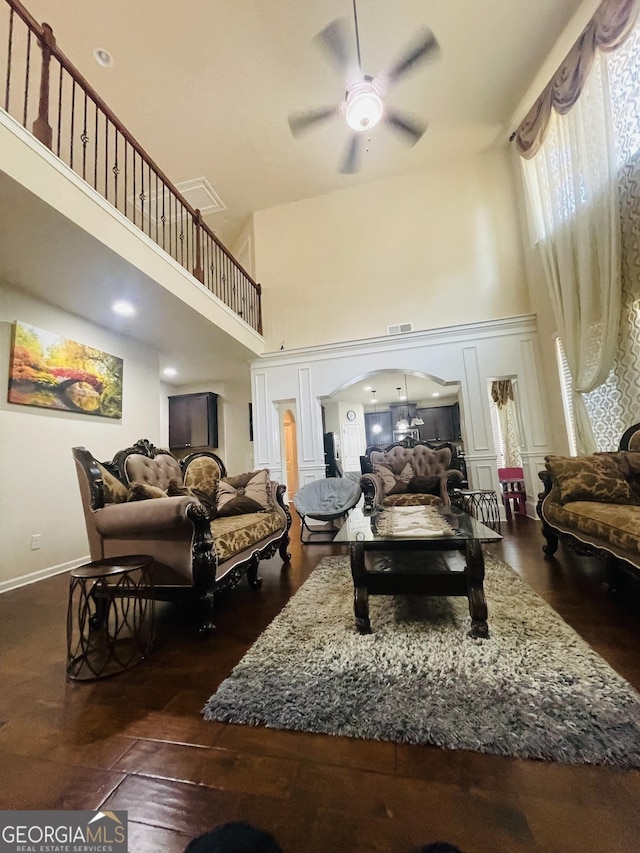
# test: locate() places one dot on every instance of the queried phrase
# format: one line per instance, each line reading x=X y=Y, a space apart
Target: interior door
x=352 y=438
x=291 y=453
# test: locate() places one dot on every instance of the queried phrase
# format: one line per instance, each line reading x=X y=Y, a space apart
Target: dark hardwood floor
x=137 y=741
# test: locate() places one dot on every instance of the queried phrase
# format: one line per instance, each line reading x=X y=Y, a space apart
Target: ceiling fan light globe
x=364 y=110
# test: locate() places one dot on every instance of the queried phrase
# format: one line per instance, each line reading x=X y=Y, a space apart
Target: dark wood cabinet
x=378 y=428
x=441 y=423
x=193 y=420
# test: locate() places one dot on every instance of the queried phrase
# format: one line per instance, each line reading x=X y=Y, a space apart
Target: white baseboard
x=41 y=574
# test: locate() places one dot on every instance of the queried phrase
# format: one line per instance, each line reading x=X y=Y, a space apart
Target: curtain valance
x=501 y=392
x=606 y=31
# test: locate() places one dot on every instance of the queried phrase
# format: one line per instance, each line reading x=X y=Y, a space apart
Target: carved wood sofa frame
x=372 y=488
x=175 y=531
x=582 y=543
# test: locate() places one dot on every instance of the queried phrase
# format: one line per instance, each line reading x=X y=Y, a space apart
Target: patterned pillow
x=245 y=493
x=114 y=491
x=393 y=483
x=424 y=485
x=139 y=491
x=589 y=478
x=176 y=489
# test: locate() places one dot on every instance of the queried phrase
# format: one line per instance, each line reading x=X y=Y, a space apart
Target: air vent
x=197 y=191
x=400 y=329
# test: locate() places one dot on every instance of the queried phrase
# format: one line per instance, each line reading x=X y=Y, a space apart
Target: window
x=566 y=387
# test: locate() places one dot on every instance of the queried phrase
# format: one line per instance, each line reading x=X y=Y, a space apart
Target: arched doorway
x=291 y=452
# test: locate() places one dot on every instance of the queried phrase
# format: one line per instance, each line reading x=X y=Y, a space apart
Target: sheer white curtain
x=574 y=209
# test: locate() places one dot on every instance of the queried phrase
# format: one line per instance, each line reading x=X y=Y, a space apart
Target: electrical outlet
x=35 y=541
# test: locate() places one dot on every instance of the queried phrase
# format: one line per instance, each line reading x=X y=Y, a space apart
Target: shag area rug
x=535 y=689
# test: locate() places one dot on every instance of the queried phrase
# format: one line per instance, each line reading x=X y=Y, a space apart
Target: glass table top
x=371 y=527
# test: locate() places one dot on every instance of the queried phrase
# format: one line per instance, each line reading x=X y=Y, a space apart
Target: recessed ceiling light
x=436 y=394
x=367 y=388
x=170 y=371
x=103 y=57
x=125 y=309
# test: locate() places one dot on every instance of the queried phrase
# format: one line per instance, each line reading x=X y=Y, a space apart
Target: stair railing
x=64 y=113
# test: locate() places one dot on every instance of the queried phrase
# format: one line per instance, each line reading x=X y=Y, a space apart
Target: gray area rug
x=534 y=689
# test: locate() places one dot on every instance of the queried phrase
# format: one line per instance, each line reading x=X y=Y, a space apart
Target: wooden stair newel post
x=41 y=127
x=198 y=269
x=259 y=292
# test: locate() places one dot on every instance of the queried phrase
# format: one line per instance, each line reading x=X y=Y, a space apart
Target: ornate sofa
x=593 y=503
x=406 y=473
x=203 y=529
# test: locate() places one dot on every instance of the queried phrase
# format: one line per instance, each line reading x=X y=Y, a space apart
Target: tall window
x=589 y=246
x=566 y=387
x=612 y=407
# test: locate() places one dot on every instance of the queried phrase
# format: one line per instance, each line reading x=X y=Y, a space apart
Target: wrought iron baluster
x=26 y=80
x=60 y=112
x=7 y=89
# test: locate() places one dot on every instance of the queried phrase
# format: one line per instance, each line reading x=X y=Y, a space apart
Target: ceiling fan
x=364 y=104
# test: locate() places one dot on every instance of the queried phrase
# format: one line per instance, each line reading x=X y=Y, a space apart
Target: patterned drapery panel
x=614 y=405
x=502 y=396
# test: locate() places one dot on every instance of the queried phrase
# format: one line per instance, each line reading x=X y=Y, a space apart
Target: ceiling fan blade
x=351 y=164
x=412 y=129
x=424 y=46
x=300 y=122
x=335 y=40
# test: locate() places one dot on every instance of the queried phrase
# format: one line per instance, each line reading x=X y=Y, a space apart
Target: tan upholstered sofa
x=407 y=473
x=203 y=529
x=593 y=503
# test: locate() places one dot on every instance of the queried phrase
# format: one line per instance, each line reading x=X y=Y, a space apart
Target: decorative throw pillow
x=175 y=489
x=628 y=463
x=424 y=485
x=589 y=478
x=249 y=492
x=115 y=492
x=202 y=475
x=143 y=491
x=393 y=483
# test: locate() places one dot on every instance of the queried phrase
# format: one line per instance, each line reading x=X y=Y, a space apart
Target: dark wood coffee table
x=451 y=564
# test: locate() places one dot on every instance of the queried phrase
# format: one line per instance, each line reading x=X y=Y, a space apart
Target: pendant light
x=402 y=422
x=416 y=420
x=376 y=427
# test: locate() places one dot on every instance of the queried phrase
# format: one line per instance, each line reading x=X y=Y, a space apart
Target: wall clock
x=351 y=415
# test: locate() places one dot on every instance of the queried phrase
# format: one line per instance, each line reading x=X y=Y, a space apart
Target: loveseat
x=203 y=529
x=407 y=473
x=593 y=503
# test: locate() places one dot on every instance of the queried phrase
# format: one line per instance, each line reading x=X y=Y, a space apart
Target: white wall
x=40 y=489
x=436 y=248
x=472 y=355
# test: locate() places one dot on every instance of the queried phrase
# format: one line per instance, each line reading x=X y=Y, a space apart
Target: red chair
x=513 y=489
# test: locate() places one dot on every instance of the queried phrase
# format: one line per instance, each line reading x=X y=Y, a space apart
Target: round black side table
x=482 y=504
x=110 y=616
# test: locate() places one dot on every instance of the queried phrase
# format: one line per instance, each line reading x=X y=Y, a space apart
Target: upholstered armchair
x=408 y=473
x=147 y=502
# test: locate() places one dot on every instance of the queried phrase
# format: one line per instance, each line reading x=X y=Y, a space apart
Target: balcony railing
x=49 y=97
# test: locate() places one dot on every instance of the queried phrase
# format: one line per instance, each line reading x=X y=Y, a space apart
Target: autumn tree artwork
x=53 y=372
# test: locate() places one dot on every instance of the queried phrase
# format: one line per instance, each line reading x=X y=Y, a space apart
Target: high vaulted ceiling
x=206 y=87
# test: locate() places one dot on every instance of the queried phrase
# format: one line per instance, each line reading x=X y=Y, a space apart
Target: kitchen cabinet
x=382 y=436
x=440 y=422
x=193 y=420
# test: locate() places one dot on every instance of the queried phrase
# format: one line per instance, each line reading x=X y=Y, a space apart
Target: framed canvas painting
x=52 y=372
